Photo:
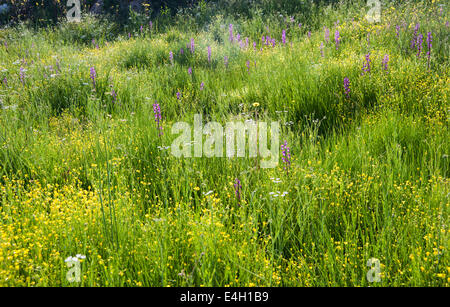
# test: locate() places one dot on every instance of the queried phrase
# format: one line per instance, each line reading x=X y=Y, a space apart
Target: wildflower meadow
x=354 y=112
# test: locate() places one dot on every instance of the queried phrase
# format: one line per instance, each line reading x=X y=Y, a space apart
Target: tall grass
x=86 y=172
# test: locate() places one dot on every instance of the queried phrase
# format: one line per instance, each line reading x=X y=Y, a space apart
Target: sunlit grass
x=85 y=172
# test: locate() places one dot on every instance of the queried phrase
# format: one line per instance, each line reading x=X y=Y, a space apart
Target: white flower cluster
x=278 y=194
x=275 y=180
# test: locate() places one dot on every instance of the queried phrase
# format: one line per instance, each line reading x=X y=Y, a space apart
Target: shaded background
x=50 y=11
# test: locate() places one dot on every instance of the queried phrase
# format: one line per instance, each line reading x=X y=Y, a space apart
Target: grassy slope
x=83 y=174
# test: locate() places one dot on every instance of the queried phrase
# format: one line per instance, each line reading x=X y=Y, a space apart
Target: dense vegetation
x=363 y=108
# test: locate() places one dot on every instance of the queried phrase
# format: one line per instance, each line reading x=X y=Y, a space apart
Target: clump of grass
x=86 y=170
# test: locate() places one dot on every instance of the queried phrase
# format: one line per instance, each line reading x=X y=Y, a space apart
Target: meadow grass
x=84 y=170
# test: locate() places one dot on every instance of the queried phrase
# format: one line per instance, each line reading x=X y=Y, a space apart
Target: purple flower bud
x=327 y=35
x=414 y=38
x=230 y=29
x=337 y=39
x=237 y=189
x=366 y=65
x=190 y=71
x=429 y=41
x=192 y=47
x=286 y=156
x=385 y=62
x=347 y=87
x=209 y=54
x=157 y=113
x=419 y=44
x=22 y=75
x=113 y=95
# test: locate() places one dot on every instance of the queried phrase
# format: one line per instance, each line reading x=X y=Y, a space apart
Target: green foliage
x=85 y=170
